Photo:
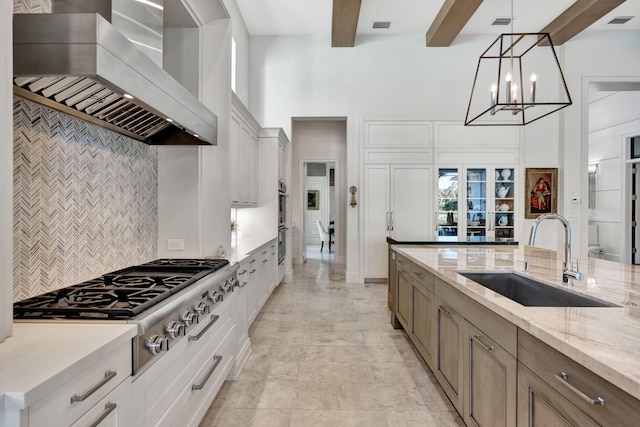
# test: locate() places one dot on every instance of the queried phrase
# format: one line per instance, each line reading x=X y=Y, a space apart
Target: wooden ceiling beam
x=452 y=17
x=577 y=17
x=344 y=22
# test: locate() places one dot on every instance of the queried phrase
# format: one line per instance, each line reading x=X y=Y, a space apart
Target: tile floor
x=324 y=354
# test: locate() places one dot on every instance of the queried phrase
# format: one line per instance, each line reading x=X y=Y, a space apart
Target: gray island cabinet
x=494 y=372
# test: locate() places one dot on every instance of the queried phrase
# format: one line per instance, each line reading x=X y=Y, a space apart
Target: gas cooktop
x=121 y=294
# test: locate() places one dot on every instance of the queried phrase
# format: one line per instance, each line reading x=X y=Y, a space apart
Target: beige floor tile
x=324 y=354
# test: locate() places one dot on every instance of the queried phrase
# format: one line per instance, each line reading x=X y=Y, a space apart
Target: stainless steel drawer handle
x=445 y=311
x=108 y=376
x=420 y=275
x=252 y=271
x=486 y=347
x=242 y=272
x=264 y=252
x=564 y=379
x=265 y=260
x=108 y=409
x=252 y=261
x=214 y=319
x=242 y=284
x=200 y=386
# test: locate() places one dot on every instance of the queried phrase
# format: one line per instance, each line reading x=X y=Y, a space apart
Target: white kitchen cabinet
x=243 y=156
x=165 y=389
x=114 y=410
x=87 y=392
x=477 y=201
x=397 y=204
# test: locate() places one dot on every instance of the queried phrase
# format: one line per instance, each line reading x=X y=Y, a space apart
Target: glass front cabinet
x=476 y=201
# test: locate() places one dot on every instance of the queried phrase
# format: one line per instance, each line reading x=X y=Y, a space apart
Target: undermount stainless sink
x=531 y=292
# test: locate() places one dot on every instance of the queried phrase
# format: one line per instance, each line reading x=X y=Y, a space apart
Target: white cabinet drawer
x=213 y=367
x=156 y=389
x=112 y=411
x=75 y=397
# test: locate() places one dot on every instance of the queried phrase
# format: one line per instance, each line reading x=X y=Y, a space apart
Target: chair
x=324 y=236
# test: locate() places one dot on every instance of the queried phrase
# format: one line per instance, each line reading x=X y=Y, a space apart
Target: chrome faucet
x=569 y=272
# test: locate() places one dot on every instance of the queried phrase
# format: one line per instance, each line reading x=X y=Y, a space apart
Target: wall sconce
x=353 y=191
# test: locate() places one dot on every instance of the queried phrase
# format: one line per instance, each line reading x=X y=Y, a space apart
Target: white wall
x=241 y=36
x=319 y=141
x=396 y=76
x=612 y=118
x=590 y=57
x=193 y=191
x=6 y=169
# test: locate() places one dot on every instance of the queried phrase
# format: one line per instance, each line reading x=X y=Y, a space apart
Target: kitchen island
x=604 y=340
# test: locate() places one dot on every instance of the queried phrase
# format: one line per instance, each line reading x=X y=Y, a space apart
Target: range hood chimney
x=80 y=64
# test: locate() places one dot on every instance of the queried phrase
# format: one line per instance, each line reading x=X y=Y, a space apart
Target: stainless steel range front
x=165 y=298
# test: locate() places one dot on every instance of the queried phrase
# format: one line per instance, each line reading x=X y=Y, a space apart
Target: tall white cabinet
x=424 y=179
x=398 y=206
x=243 y=156
x=398 y=195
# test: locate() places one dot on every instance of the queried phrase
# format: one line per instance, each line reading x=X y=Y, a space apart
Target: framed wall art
x=313 y=200
x=541 y=191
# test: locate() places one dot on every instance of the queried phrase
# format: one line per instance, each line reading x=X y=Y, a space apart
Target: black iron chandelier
x=518 y=81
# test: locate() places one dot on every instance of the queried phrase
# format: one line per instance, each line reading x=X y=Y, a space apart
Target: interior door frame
x=302 y=200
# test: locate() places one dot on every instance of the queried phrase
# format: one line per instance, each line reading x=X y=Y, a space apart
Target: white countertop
x=605 y=340
x=242 y=248
x=39 y=352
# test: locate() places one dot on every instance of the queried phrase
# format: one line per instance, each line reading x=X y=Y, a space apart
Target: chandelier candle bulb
x=494 y=97
x=508 y=79
x=533 y=87
x=514 y=95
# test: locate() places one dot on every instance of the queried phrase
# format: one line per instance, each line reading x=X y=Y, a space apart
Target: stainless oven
x=282 y=204
x=282 y=243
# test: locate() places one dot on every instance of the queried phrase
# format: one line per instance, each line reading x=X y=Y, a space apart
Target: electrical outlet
x=175 y=244
x=573 y=217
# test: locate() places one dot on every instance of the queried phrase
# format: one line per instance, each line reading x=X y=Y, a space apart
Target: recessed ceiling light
x=621 y=20
x=169 y=119
x=384 y=25
x=196 y=135
x=126 y=95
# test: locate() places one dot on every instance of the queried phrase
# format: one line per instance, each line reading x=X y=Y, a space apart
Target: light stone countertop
x=606 y=340
x=39 y=355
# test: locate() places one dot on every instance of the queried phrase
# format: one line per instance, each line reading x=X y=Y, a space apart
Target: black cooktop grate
x=121 y=294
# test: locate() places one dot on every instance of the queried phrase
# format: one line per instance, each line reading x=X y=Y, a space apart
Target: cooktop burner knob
x=215 y=297
x=175 y=329
x=156 y=343
x=226 y=287
x=201 y=308
x=189 y=318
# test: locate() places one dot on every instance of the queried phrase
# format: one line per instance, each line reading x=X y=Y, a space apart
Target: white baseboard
x=288 y=276
x=352 y=277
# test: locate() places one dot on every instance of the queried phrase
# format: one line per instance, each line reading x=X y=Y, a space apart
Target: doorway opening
x=320 y=210
x=318 y=189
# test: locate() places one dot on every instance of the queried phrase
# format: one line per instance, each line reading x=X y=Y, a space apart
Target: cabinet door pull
x=564 y=379
x=108 y=409
x=387 y=220
x=264 y=252
x=253 y=270
x=242 y=284
x=214 y=319
x=252 y=261
x=108 y=376
x=445 y=311
x=435 y=228
x=391 y=220
x=242 y=272
x=420 y=275
x=265 y=260
x=486 y=347
x=200 y=386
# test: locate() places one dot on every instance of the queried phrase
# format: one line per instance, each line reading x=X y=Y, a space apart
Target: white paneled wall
x=613 y=118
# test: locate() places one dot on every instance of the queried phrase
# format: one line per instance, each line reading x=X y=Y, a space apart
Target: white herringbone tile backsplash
x=85 y=200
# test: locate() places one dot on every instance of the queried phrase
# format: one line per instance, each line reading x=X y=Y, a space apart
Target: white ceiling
x=313 y=17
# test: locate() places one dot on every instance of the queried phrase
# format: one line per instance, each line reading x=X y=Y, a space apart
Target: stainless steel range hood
x=78 y=63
